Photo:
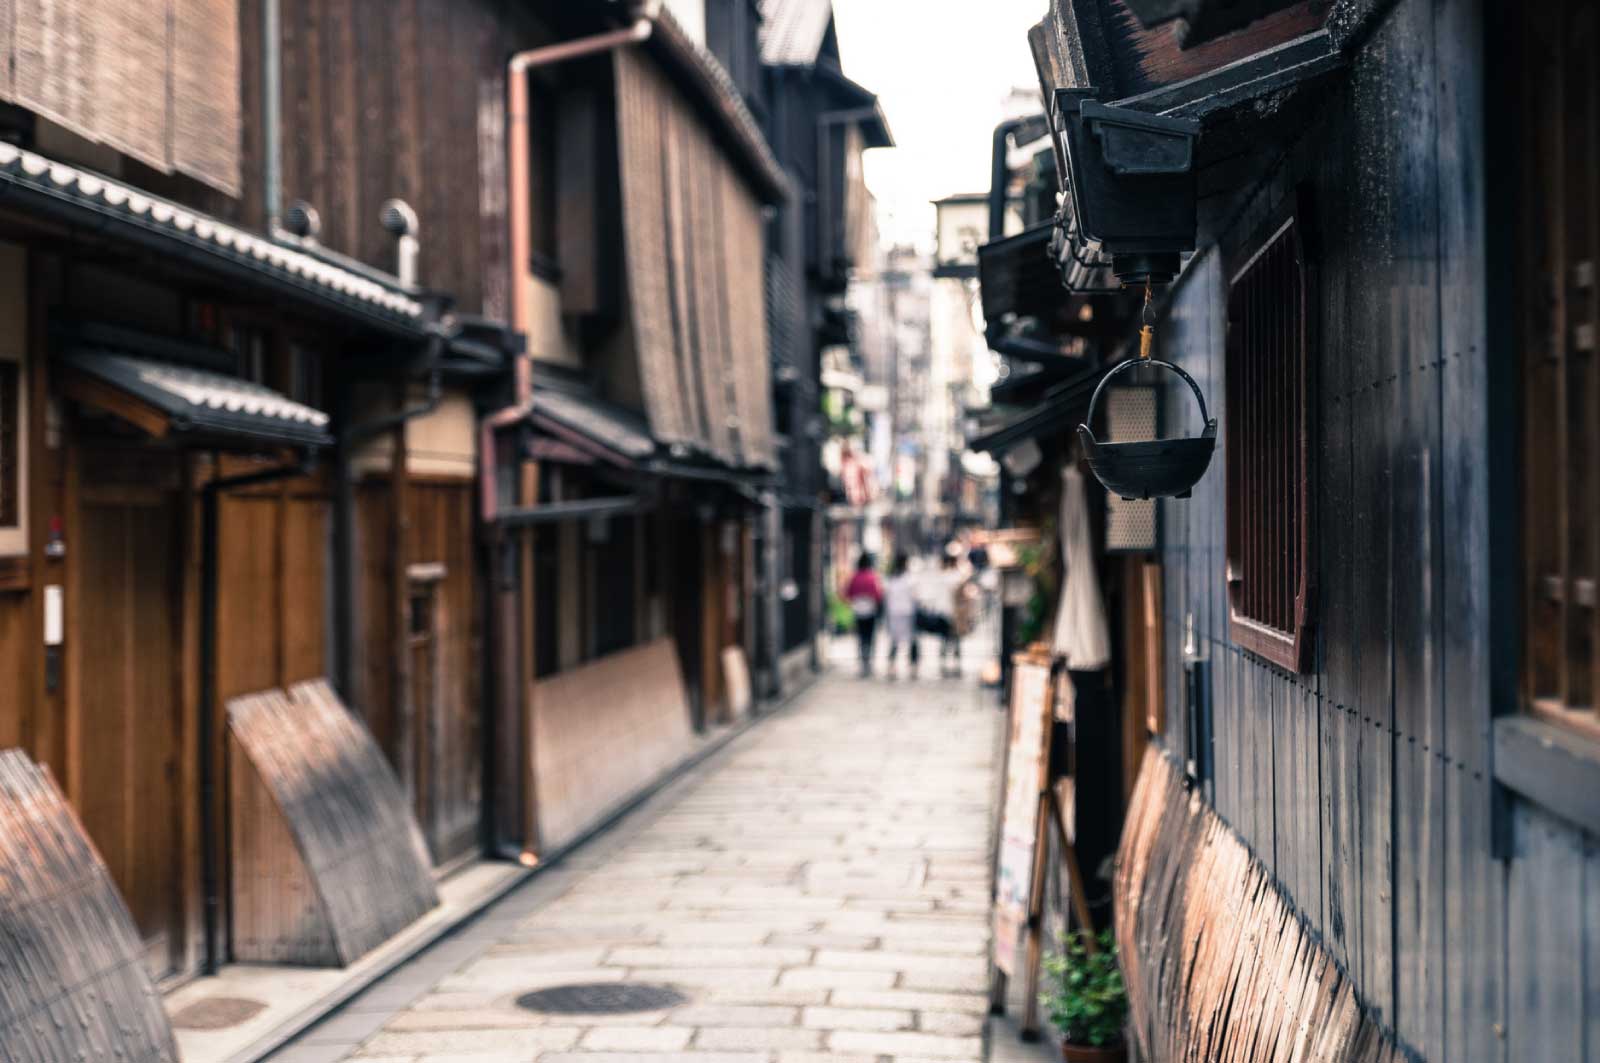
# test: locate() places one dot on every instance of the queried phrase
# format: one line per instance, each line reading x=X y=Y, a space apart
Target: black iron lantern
x=1155 y=468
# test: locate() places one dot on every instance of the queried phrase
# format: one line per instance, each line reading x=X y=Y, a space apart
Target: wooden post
x=1041 y=839
x=399 y=649
x=529 y=694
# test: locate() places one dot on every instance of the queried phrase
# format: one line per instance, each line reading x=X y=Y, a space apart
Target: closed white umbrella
x=1081 y=638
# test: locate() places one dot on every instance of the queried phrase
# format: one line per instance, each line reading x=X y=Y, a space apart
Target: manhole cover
x=600 y=998
x=216 y=1013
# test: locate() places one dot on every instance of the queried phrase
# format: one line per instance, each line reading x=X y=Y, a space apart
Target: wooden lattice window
x=1267 y=448
x=1559 y=330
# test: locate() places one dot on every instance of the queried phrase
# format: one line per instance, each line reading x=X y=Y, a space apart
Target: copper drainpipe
x=521 y=218
x=507 y=679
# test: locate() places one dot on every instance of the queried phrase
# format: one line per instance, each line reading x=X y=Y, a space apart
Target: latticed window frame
x=1267 y=445
x=1559 y=343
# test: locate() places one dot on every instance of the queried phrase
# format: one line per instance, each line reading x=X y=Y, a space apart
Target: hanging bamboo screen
x=694 y=260
x=1560 y=331
x=157 y=80
x=1268 y=451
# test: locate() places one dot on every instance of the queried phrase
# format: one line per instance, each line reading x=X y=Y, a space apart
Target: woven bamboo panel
x=744 y=256
x=708 y=289
x=641 y=121
x=693 y=246
x=157 y=80
x=1219 y=967
x=351 y=825
x=604 y=731
x=72 y=977
x=205 y=96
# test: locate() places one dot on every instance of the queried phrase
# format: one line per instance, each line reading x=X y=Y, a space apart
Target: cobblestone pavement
x=818 y=889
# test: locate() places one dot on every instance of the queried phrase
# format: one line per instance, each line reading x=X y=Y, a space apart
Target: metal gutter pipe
x=271 y=114
x=1000 y=171
x=519 y=147
x=504 y=679
x=210 y=855
x=345 y=504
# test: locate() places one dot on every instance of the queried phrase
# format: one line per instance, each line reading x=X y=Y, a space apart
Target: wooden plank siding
x=1366 y=786
x=384 y=100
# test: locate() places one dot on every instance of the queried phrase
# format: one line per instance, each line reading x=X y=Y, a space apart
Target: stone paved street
x=818 y=888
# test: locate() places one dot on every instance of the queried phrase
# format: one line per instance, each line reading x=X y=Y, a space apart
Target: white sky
x=943 y=70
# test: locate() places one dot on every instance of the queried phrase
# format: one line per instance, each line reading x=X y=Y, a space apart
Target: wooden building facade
x=314 y=498
x=1377 y=644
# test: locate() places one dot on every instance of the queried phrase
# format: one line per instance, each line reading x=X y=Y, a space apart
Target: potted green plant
x=1086 y=1000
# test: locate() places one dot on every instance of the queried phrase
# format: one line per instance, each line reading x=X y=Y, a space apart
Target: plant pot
x=1071 y=1053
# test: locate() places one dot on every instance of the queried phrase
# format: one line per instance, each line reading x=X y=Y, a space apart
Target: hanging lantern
x=1152 y=468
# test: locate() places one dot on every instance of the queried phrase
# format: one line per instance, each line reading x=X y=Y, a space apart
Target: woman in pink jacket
x=864 y=592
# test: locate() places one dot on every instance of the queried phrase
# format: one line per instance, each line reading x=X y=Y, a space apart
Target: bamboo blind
x=157 y=80
x=694 y=254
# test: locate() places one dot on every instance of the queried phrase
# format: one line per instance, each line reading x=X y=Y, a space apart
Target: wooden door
x=131 y=749
x=445 y=774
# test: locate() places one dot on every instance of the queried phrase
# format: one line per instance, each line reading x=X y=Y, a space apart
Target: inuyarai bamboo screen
x=1268 y=460
x=1559 y=332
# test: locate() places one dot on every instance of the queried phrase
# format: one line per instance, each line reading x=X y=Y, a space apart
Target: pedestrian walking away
x=900 y=611
x=939 y=602
x=865 y=595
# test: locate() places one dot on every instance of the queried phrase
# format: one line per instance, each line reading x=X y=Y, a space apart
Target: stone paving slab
x=818 y=892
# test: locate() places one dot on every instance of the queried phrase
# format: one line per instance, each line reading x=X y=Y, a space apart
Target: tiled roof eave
x=82 y=198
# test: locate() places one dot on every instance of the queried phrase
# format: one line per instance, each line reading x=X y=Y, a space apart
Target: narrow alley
x=821 y=884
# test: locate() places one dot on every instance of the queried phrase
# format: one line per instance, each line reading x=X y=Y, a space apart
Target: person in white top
x=937 y=593
x=900 y=608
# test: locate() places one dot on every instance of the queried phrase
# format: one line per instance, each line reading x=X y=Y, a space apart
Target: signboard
x=1027 y=760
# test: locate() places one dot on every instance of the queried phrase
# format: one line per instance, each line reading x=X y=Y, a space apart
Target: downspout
x=513 y=715
x=521 y=218
x=1000 y=172
x=271 y=115
x=210 y=852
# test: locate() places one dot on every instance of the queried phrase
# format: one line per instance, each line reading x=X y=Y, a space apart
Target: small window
x=543 y=141
x=1267 y=449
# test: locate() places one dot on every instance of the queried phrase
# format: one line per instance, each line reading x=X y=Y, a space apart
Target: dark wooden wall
x=395 y=99
x=1365 y=786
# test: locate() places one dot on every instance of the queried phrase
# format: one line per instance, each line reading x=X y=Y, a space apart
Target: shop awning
x=1018 y=276
x=164 y=398
x=592 y=425
x=1063 y=407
